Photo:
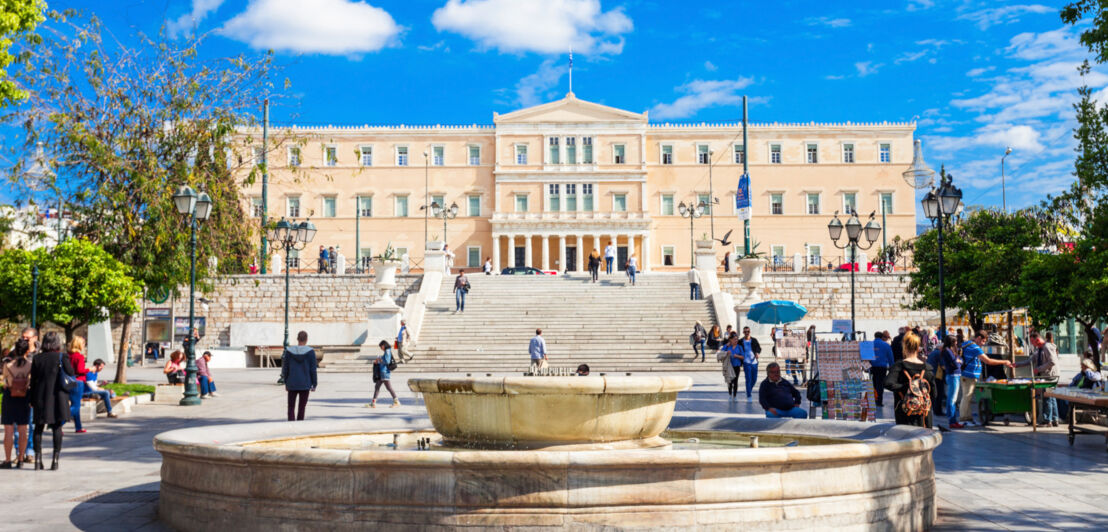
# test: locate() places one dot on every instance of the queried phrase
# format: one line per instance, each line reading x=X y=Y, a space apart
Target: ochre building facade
x=543 y=186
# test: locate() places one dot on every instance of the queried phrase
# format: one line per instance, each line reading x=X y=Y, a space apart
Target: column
x=527 y=250
x=646 y=252
x=581 y=252
x=562 y=253
x=545 y=252
x=496 y=253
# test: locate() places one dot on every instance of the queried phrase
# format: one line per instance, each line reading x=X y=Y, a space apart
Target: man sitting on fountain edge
x=778 y=396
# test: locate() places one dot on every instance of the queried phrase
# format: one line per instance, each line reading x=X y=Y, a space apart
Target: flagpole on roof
x=571 y=69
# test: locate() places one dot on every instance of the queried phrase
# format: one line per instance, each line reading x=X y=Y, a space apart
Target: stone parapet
x=827 y=295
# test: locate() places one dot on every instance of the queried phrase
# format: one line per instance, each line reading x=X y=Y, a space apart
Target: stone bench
x=168 y=394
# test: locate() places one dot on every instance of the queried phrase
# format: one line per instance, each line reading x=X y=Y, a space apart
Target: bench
x=168 y=394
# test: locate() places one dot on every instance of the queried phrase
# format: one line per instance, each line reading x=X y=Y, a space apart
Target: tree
x=79 y=283
x=983 y=254
x=16 y=17
x=126 y=127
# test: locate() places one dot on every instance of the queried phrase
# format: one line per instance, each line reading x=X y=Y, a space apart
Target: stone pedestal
x=798 y=262
x=276 y=264
x=383 y=321
x=434 y=261
x=705 y=260
x=100 y=342
x=340 y=265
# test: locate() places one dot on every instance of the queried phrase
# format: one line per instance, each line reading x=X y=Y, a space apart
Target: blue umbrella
x=776 y=311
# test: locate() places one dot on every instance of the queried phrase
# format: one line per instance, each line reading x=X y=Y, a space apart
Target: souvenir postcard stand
x=845 y=390
x=792 y=347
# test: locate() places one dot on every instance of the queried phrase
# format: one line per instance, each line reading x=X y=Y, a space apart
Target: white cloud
x=538 y=88
x=917 y=5
x=829 y=22
x=185 y=23
x=866 y=68
x=542 y=26
x=336 y=27
x=985 y=18
x=701 y=94
x=710 y=67
x=908 y=57
x=832 y=76
x=973 y=73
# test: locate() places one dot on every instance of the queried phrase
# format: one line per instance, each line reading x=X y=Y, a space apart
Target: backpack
x=392 y=363
x=21 y=379
x=917 y=398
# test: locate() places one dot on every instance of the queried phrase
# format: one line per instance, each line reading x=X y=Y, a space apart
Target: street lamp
x=197 y=207
x=938 y=206
x=692 y=211
x=290 y=236
x=854 y=232
x=426 y=197
x=1003 y=194
x=446 y=213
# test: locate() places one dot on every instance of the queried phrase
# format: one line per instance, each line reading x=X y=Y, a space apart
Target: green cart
x=1000 y=398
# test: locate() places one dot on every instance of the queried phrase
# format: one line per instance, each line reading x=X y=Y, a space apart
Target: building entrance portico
x=565 y=247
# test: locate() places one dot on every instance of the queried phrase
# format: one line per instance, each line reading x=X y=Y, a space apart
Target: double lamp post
x=854 y=232
x=938 y=206
x=197 y=207
x=290 y=236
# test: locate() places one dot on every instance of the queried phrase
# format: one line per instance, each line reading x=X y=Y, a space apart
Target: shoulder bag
x=66 y=381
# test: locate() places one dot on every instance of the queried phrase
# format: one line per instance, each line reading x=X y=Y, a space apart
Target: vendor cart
x=1083 y=402
x=1009 y=397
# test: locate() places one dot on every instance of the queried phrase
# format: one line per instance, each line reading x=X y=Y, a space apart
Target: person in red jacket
x=77 y=360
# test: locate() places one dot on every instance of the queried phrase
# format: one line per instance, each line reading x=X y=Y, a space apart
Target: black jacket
x=781 y=395
x=50 y=401
x=898 y=348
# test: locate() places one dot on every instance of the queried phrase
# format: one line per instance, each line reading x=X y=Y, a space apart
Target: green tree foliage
x=1094 y=36
x=16 y=17
x=124 y=128
x=984 y=254
x=79 y=283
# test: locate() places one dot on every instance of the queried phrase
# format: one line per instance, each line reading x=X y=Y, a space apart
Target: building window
x=586 y=193
x=294 y=156
x=619 y=202
x=365 y=206
x=401 y=156
x=331 y=155
x=667 y=256
x=740 y=154
x=571 y=197
x=775 y=153
x=619 y=153
x=667 y=154
x=706 y=200
x=850 y=202
x=367 y=155
x=474 y=155
x=555 y=197
x=886 y=153
x=555 y=151
x=571 y=150
x=293 y=208
x=437 y=157
x=667 y=204
x=474 y=205
x=586 y=150
x=703 y=156
x=473 y=256
x=366 y=258
x=813 y=203
x=848 y=153
x=402 y=206
x=521 y=202
x=439 y=199
x=813 y=154
x=814 y=258
x=777 y=204
x=778 y=254
x=887 y=202
x=256 y=209
x=521 y=154
x=329 y=207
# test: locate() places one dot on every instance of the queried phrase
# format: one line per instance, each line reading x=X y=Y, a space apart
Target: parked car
x=871 y=267
x=550 y=272
x=521 y=270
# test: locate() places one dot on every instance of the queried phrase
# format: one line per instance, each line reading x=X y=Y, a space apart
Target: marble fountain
x=549 y=453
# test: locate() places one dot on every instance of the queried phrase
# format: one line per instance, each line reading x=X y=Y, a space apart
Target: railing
x=835 y=264
x=571 y=215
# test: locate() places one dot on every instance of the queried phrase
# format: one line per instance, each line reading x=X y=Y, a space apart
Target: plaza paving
x=988 y=479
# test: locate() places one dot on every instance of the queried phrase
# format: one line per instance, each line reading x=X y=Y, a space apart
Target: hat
x=1088 y=364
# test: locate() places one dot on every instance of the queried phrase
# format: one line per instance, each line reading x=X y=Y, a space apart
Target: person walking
x=488 y=266
x=715 y=337
x=48 y=398
x=537 y=350
x=609 y=257
x=332 y=260
x=952 y=370
x=731 y=356
x=974 y=360
x=698 y=338
x=594 y=264
x=632 y=267
x=403 y=343
x=461 y=288
x=207 y=385
x=694 y=284
x=751 y=350
x=382 y=373
x=15 y=405
x=778 y=397
x=298 y=372
x=727 y=262
x=77 y=362
x=323 y=260
x=879 y=367
x=912 y=382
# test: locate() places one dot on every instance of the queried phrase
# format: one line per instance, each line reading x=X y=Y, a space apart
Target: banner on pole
x=742 y=197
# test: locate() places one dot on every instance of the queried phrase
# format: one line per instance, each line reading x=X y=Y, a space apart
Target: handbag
x=66 y=381
x=813 y=391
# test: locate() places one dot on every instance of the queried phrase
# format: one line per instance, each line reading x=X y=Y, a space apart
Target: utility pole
x=265 y=179
x=711 y=196
x=746 y=167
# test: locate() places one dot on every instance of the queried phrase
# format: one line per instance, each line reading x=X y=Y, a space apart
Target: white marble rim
x=553 y=385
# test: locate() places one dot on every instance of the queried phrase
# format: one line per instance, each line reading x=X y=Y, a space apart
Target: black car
x=521 y=270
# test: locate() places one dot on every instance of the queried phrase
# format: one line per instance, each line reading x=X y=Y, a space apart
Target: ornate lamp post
x=692 y=211
x=197 y=207
x=854 y=232
x=290 y=236
x=938 y=206
x=446 y=213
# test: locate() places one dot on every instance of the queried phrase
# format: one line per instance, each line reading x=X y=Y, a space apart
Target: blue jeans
x=206 y=386
x=952 y=383
x=459 y=300
x=631 y=274
x=103 y=395
x=699 y=344
x=75 y=403
x=751 y=371
x=795 y=412
x=694 y=291
x=1050 y=409
x=608 y=261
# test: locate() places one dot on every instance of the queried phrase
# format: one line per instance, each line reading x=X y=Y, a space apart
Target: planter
x=435 y=245
x=752 y=270
x=385 y=273
x=705 y=244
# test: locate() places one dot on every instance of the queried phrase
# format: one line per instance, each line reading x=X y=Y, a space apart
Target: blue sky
x=976 y=76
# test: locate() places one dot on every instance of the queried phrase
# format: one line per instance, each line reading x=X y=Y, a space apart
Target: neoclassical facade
x=545 y=185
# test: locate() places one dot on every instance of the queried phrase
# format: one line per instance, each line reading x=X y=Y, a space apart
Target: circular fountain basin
x=551 y=412
x=317 y=475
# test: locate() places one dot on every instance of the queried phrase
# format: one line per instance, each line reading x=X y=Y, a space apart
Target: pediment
x=569 y=109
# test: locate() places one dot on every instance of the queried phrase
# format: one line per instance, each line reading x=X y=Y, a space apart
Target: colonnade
x=584 y=243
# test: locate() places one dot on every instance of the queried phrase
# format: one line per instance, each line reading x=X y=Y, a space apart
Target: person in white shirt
x=488 y=266
x=449 y=258
x=694 y=284
x=609 y=257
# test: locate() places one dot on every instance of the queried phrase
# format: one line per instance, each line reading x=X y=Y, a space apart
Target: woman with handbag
x=52 y=378
x=77 y=361
x=382 y=373
x=16 y=404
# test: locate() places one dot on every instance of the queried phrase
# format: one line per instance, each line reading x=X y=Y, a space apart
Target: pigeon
x=723 y=241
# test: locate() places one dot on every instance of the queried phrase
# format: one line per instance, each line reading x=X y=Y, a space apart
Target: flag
x=742 y=197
